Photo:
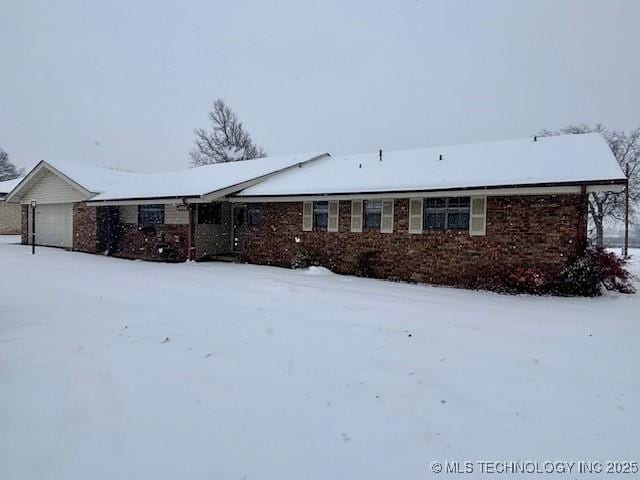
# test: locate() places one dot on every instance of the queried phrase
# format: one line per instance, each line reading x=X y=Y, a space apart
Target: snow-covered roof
x=92 y=179
x=199 y=181
x=566 y=159
x=103 y=184
x=8 y=185
x=562 y=159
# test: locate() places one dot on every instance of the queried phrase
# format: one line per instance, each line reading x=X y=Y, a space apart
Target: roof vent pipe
x=440 y=157
x=359 y=165
x=535 y=138
x=380 y=154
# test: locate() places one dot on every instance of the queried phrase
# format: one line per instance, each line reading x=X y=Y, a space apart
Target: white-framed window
x=446 y=213
x=254 y=211
x=372 y=214
x=151 y=214
x=321 y=215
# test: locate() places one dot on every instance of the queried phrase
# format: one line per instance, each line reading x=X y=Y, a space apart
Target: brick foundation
x=533 y=231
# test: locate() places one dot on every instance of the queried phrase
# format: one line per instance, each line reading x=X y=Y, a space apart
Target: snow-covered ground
x=275 y=374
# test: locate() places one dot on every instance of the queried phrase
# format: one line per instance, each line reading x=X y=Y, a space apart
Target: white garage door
x=54 y=225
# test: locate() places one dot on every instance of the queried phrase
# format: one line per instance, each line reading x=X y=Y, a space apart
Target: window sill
x=447 y=230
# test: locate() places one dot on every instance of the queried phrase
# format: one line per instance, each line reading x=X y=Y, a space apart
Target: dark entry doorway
x=239 y=213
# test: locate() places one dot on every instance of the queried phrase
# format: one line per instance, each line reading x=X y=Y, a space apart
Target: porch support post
x=33 y=227
x=232 y=239
x=192 y=233
x=583 y=219
x=626 y=216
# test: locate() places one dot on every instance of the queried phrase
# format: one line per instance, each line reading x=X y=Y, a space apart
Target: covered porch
x=169 y=230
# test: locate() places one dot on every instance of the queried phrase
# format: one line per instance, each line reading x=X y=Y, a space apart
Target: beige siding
x=129 y=214
x=52 y=189
x=173 y=216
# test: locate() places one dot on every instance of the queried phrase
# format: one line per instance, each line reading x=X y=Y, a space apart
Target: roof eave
x=254 y=181
x=617 y=181
x=143 y=200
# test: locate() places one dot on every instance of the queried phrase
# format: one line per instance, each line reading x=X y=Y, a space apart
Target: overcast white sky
x=124 y=83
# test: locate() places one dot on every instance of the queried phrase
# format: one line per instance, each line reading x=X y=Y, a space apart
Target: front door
x=239 y=221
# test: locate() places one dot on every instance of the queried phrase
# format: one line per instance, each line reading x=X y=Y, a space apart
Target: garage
x=54 y=195
x=54 y=225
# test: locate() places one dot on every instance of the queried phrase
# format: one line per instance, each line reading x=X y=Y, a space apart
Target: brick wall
x=98 y=229
x=168 y=243
x=24 y=221
x=85 y=228
x=539 y=231
x=10 y=218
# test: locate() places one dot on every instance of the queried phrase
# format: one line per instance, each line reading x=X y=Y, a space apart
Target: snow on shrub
x=594 y=270
x=308 y=257
x=527 y=280
x=587 y=275
x=300 y=260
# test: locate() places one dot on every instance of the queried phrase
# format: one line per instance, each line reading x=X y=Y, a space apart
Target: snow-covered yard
x=119 y=369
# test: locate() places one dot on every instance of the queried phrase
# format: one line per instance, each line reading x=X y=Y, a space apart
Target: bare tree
x=607 y=206
x=8 y=171
x=226 y=142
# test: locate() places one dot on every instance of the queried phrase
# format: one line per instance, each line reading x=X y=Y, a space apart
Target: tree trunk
x=599 y=231
x=596 y=212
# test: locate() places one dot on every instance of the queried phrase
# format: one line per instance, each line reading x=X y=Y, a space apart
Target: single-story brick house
x=446 y=215
x=9 y=212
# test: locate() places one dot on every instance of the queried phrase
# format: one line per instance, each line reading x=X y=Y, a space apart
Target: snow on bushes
x=594 y=270
x=586 y=276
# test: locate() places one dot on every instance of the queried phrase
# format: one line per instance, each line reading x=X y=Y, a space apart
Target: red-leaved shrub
x=527 y=280
x=587 y=275
x=592 y=271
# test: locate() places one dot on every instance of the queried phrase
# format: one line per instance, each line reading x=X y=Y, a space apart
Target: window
x=446 y=213
x=372 y=213
x=320 y=214
x=150 y=214
x=209 y=214
x=253 y=213
x=458 y=213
